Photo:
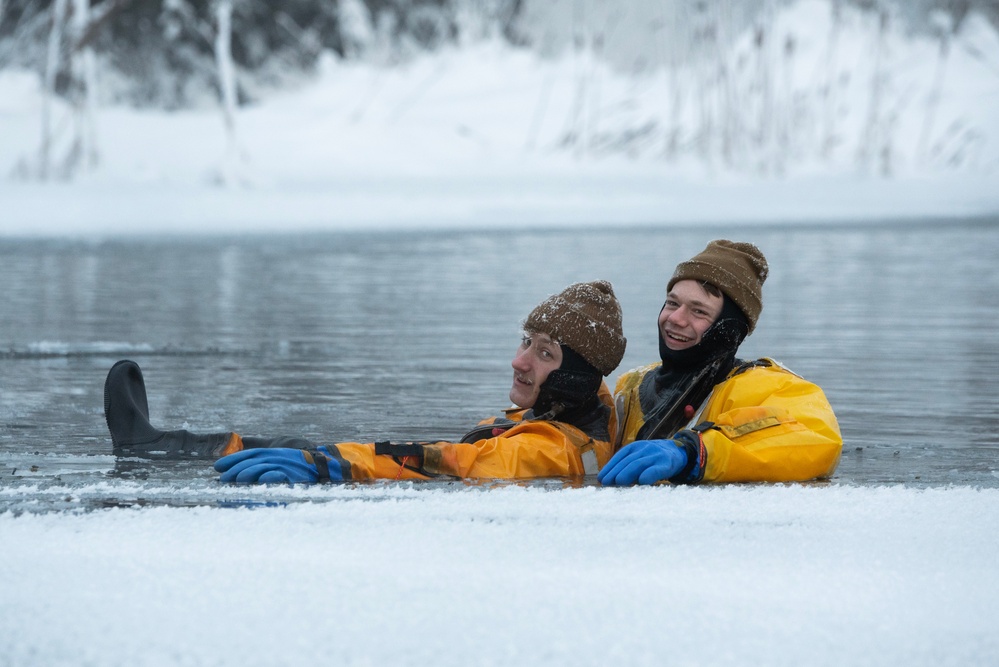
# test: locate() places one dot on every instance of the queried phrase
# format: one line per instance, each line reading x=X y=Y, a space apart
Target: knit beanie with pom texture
x=586 y=317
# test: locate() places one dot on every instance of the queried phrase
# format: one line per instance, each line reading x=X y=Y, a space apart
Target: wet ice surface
x=38 y=482
x=409 y=336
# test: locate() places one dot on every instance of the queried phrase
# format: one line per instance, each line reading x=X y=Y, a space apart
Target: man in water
x=563 y=424
x=701 y=415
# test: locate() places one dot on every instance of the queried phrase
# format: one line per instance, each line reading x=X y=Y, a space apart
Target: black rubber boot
x=127 y=415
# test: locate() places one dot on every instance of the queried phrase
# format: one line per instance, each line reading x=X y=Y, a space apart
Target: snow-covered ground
x=741 y=575
x=831 y=122
x=783 y=575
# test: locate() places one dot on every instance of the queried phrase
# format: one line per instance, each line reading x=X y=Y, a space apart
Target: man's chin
x=520 y=401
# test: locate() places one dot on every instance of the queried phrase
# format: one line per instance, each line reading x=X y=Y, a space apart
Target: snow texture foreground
x=396 y=574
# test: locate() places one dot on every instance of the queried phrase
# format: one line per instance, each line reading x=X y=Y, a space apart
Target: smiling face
x=537 y=356
x=690 y=310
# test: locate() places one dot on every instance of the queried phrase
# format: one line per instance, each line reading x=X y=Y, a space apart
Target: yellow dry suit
x=762 y=423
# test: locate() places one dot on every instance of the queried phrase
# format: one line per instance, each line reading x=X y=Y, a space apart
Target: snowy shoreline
x=575 y=200
x=493 y=136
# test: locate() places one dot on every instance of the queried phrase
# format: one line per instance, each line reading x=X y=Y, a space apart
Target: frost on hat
x=737 y=269
x=587 y=318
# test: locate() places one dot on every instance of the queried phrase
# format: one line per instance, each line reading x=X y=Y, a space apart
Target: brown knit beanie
x=587 y=318
x=737 y=269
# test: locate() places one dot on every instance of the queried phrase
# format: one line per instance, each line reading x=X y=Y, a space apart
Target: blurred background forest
x=164 y=52
x=730 y=73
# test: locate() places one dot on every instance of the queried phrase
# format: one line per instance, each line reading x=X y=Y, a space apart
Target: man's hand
x=644 y=461
x=278 y=466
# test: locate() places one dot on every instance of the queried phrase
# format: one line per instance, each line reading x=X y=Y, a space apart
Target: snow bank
x=777 y=575
x=813 y=127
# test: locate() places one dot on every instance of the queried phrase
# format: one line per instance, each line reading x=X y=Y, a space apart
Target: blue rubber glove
x=644 y=461
x=277 y=466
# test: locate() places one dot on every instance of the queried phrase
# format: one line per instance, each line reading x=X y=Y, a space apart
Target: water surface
x=348 y=336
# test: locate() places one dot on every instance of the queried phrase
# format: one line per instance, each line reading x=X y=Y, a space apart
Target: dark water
x=409 y=336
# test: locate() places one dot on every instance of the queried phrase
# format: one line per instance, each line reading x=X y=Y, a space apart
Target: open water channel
x=347 y=336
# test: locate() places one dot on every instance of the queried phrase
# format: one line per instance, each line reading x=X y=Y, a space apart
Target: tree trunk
x=872 y=141
x=945 y=32
x=84 y=150
x=830 y=84
x=227 y=87
x=52 y=62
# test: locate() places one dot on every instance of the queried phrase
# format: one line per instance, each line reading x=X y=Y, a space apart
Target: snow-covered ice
x=772 y=575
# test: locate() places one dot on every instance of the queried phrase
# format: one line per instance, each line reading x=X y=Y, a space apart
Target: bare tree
x=53 y=61
x=227 y=88
x=357 y=31
x=872 y=140
x=83 y=151
x=830 y=85
x=674 y=125
x=945 y=29
x=575 y=124
x=705 y=32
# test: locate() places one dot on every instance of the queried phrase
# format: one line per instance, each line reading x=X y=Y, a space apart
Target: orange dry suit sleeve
x=528 y=449
x=510 y=448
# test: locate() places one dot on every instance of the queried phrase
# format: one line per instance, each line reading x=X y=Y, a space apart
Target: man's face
x=537 y=356
x=689 y=311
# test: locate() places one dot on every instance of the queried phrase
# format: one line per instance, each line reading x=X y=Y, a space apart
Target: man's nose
x=519 y=362
x=679 y=316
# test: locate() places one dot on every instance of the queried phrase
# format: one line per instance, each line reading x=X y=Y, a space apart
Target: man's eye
x=546 y=354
